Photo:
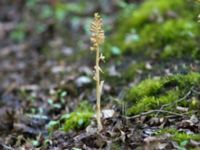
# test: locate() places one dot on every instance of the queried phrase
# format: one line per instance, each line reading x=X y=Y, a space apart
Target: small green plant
x=181 y=137
x=97 y=38
x=77 y=120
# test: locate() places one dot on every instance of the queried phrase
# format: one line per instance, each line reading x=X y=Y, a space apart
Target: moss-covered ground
x=179 y=136
x=165 y=28
x=153 y=93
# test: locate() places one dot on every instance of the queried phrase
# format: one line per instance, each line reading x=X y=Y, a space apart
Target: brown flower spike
x=97 y=38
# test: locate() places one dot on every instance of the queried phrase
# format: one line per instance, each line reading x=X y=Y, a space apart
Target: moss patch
x=178 y=136
x=154 y=10
x=161 y=27
x=168 y=39
x=152 y=102
x=76 y=120
x=153 y=93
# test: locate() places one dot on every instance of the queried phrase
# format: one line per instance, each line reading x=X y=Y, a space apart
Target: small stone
x=82 y=81
x=194 y=119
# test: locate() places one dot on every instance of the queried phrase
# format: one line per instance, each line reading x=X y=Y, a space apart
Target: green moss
x=168 y=39
x=84 y=106
x=153 y=93
x=152 y=102
x=148 y=87
x=151 y=11
x=159 y=26
x=76 y=120
x=179 y=136
x=156 y=8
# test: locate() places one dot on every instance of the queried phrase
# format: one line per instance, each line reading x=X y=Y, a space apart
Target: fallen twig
x=195 y=91
x=154 y=111
x=175 y=102
x=163 y=106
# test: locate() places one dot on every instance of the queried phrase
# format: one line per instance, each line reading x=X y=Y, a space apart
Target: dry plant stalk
x=97 y=38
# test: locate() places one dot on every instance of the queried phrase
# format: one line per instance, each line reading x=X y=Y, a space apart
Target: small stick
x=154 y=111
x=163 y=106
x=177 y=101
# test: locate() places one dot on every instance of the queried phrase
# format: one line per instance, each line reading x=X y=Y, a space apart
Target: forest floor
x=46 y=71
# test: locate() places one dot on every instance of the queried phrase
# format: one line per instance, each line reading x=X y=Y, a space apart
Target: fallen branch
x=163 y=106
x=177 y=101
x=154 y=111
x=195 y=91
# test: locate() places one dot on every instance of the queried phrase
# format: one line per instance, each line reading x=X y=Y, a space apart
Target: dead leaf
x=182 y=109
x=154 y=143
x=107 y=113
